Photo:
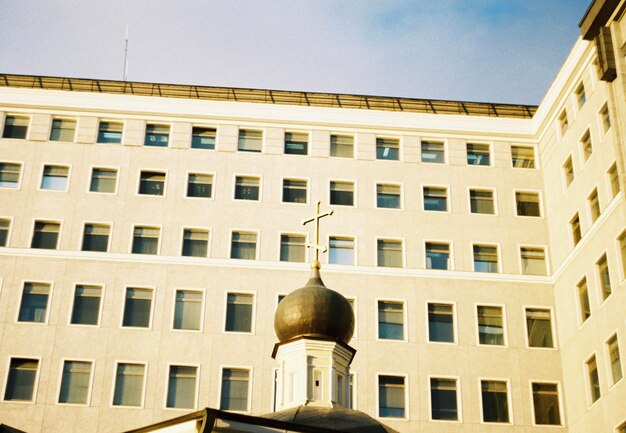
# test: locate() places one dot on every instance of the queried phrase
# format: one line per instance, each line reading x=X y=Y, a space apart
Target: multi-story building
x=148 y=232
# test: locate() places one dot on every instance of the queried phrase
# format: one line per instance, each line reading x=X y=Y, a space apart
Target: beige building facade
x=148 y=232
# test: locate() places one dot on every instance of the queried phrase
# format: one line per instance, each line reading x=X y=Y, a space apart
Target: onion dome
x=314 y=311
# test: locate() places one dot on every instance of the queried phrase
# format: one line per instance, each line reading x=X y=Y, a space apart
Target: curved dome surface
x=314 y=311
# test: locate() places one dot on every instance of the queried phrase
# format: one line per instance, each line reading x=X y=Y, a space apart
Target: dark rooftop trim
x=596 y=16
x=265 y=96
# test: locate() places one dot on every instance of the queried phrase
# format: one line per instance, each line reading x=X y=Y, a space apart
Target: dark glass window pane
x=9 y=174
x=152 y=183
x=387 y=148
x=296 y=143
x=342 y=193
x=294 y=191
x=342 y=146
x=239 y=312
x=490 y=325
x=137 y=308
x=4 y=232
x=199 y=185
x=203 y=138
x=181 y=389
x=443 y=399
x=546 y=404
x=103 y=180
x=34 y=303
x=388 y=196
x=435 y=199
x=21 y=380
x=96 y=238
x=15 y=127
x=250 y=141
x=157 y=135
x=234 y=390
x=433 y=152
x=437 y=256
x=391 y=397
x=247 y=188
x=478 y=154
x=128 y=385
x=109 y=132
x=195 y=243
x=62 y=130
x=390 y=320
x=440 y=323
x=495 y=401
x=86 y=305
x=243 y=246
x=145 y=240
x=46 y=235
x=538 y=324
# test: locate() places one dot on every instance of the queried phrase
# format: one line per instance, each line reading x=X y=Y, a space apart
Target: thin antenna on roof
x=125 y=74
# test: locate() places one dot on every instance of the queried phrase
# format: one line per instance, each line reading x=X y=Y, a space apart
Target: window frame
x=588 y=388
x=559 y=396
x=198 y=228
x=442 y=141
x=84 y=223
x=407 y=403
x=354 y=192
x=400 y=185
x=89 y=389
x=508 y=400
x=455 y=322
x=164 y=172
x=498 y=256
x=535 y=156
x=205 y=126
x=10 y=219
x=539 y=201
x=35 y=383
x=254 y=295
x=205 y=173
x=157 y=123
x=308 y=142
x=23 y=282
x=116 y=363
x=471 y=188
x=555 y=342
x=405 y=330
x=245 y=200
x=100 y=308
x=150 y=226
x=202 y=309
x=399 y=139
x=250 y=369
x=436 y=186
x=45 y=220
x=18 y=184
x=546 y=259
x=90 y=178
x=54 y=164
x=62 y=119
x=119 y=121
x=293 y=233
x=297 y=179
x=490 y=149
x=354 y=250
x=257 y=244
x=166 y=388
x=153 y=289
x=505 y=330
x=459 y=400
x=450 y=244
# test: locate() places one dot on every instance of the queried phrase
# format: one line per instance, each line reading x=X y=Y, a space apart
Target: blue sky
x=478 y=50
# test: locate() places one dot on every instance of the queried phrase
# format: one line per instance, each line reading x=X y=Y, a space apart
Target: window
x=563 y=123
x=523 y=157
x=437 y=255
x=54 y=178
x=86 y=307
x=128 y=384
x=391 y=397
x=239 y=312
x=292 y=248
x=352 y=392
x=195 y=243
x=234 y=394
x=389 y=253
x=594 y=380
x=443 y=399
x=188 y=310
x=247 y=188
x=604 y=277
x=137 y=308
x=342 y=146
x=622 y=250
x=527 y=203
x=62 y=130
x=146 y=240
x=157 y=135
x=581 y=97
x=388 y=148
x=546 y=404
x=34 y=303
x=243 y=246
x=478 y=154
x=594 y=205
x=5 y=225
x=614 y=180
x=294 y=191
x=533 y=260
x=45 y=235
x=574 y=226
x=199 y=185
x=614 y=359
x=441 y=323
x=103 y=180
x=110 y=132
x=485 y=258
x=605 y=118
x=96 y=237
x=583 y=300
x=21 y=380
x=181 y=387
x=568 y=171
x=341 y=250
x=296 y=143
x=203 y=138
x=586 y=146
x=435 y=199
x=250 y=141
x=433 y=152
x=75 y=382
x=539 y=327
x=388 y=196
x=495 y=404
x=152 y=182
x=342 y=193
x=481 y=201
x=9 y=174
x=490 y=325
x=15 y=127
x=390 y=320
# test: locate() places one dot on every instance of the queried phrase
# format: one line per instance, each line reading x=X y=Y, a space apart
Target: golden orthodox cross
x=316 y=246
